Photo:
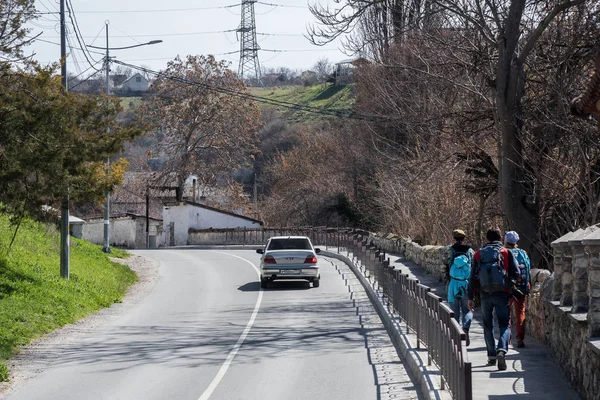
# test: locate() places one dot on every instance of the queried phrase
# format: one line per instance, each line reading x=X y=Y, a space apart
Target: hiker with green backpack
x=518 y=302
x=458 y=272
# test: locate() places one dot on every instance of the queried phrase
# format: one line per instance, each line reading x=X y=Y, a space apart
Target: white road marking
x=223 y=370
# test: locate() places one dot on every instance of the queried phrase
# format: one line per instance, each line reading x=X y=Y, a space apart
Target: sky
x=185 y=27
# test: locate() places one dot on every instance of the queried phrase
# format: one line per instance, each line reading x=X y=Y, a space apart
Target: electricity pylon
x=249 y=68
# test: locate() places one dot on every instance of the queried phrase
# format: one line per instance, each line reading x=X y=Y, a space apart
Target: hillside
x=324 y=97
x=34 y=300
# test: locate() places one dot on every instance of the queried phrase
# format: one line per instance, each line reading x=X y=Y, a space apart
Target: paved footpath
x=532 y=373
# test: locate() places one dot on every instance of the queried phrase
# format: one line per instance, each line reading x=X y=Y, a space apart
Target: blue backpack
x=524 y=266
x=493 y=276
x=460 y=270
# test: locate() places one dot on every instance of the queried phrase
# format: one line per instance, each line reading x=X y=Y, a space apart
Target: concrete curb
x=427 y=377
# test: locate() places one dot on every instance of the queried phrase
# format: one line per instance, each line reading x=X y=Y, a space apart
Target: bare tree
x=324 y=68
x=201 y=128
x=488 y=53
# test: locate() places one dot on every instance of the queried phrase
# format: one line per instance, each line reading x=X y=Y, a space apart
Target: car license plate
x=289 y=271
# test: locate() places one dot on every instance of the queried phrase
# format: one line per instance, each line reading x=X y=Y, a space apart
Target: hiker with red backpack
x=458 y=272
x=518 y=301
x=493 y=273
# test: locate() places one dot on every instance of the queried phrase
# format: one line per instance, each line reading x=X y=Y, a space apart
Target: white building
x=136 y=83
x=125 y=230
x=178 y=219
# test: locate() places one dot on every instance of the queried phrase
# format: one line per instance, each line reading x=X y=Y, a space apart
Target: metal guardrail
x=421 y=311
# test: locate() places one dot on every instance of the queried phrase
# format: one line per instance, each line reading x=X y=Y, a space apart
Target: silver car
x=289 y=257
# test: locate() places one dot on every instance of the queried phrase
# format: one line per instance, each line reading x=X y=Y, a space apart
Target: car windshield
x=289 y=244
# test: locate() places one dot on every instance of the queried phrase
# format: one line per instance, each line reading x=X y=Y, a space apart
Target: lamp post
x=106 y=244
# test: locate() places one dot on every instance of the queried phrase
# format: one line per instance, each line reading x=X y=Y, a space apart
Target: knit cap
x=511 y=237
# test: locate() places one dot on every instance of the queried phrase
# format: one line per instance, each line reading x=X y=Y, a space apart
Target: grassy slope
x=34 y=300
x=326 y=97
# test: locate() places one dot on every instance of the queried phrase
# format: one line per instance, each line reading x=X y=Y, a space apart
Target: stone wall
x=432 y=259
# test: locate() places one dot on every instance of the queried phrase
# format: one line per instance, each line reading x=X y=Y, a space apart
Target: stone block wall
x=567 y=335
x=432 y=259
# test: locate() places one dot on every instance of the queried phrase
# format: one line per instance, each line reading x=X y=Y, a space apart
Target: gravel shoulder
x=35 y=357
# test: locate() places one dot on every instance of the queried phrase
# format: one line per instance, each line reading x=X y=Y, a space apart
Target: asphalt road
x=207 y=331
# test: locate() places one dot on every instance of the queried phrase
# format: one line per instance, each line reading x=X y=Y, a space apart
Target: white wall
x=187 y=217
x=201 y=218
x=122 y=232
x=179 y=216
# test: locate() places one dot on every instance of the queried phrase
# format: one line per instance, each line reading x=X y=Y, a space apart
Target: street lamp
x=106 y=246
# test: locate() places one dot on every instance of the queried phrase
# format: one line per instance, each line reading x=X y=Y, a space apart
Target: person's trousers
x=461 y=305
x=499 y=302
x=519 y=316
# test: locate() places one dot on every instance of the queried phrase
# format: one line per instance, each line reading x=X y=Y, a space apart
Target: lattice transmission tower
x=249 y=68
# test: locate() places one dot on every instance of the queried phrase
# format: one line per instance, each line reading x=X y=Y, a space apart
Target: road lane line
x=223 y=370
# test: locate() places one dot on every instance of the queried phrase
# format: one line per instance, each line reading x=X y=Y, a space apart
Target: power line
x=77 y=77
x=279 y=5
x=162 y=34
x=85 y=80
x=34 y=38
x=172 y=58
x=264 y=100
x=157 y=10
x=84 y=48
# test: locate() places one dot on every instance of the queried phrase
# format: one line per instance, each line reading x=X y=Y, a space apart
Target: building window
x=138 y=78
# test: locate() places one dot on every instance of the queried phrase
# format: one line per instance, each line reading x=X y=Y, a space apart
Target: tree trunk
x=519 y=206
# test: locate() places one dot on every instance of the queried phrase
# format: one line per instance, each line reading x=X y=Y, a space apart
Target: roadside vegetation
x=35 y=300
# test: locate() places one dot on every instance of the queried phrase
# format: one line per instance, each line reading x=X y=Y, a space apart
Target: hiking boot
x=467 y=339
x=491 y=361
x=520 y=343
x=501 y=361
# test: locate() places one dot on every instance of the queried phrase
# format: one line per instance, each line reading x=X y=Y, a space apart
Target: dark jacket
x=510 y=262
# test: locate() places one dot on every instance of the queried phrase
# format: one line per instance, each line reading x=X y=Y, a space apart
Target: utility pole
x=249 y=68
x=64 y=214
x=255 y=192
x=106 y=247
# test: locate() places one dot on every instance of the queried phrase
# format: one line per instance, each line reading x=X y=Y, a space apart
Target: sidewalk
x=532 y=372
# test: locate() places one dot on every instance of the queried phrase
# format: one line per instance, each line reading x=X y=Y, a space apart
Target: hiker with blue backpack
x=459 y=271
x=493 y=273
x=518 y=302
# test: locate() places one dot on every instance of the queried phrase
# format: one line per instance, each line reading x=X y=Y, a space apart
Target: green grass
x=35 y=300
x=325 y=97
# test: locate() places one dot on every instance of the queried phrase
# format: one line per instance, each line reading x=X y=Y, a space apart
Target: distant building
x=274 y=79
x=136 y=84
x=309 y=78
x=179 y=219
x=344 y=70
x=126 y=230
